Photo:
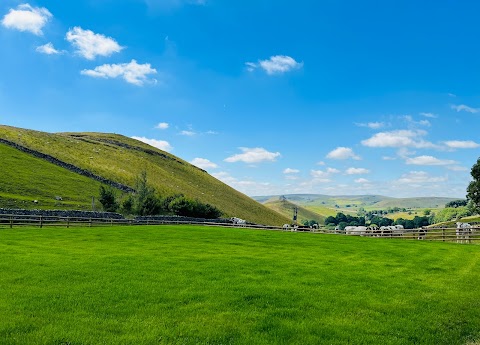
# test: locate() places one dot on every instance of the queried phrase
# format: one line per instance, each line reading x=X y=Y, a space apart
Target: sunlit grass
x=199 y=285
x=25 y=178
x=107 y=156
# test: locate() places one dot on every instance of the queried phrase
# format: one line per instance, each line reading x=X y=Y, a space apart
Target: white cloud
x=458 y=144
x=27 y=18
x=400 y=138
x=429 y=115
x=291 y=171
x=457 y=168
x=203 y=163
x=372 y=125
x=411 y=121
x=357 y=171
x=247 y=186
x=162 y=125
x=342 y=153
x=428 y=160
x=419 y=177
x=90 y=45
x=48 y=49
x=253 y=155
x=361 y=180
x=321 y=163
x=463 y=107
x=188 y=133
x=131 y=72
x=277 y=64
x=159 y=144
x=320 y=176
x=332 y=171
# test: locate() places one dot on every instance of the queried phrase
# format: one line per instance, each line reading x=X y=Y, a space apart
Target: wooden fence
x=433 y=234
x=12 y=221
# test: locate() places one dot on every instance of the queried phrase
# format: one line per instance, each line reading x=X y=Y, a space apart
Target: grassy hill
x=116 y=158
x=286 y=207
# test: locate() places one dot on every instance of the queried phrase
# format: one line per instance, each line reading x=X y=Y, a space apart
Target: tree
x=146 y=202
x=473 y=190
x=127 y=204
x=331 y=220
x=456 y=203
x=108 y=199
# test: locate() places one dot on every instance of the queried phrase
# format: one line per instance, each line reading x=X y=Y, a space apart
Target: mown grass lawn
x=200 y=285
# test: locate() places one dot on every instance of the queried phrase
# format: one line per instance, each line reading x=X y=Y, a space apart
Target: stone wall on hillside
x=181 y=219
x=61 y=213
x=68 y=166
x=107 y=215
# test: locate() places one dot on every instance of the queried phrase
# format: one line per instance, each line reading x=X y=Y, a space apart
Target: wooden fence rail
x=9 y=221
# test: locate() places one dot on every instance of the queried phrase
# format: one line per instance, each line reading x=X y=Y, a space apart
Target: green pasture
x=201 y=285
x=330 y=211
x=25 y=178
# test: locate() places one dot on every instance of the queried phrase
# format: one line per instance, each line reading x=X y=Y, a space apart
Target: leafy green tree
x=341 y=218
x=108 y=199
x=331 y=220
x=127 y=205
x=146 y=202
x=473 y=190
x=457 y=203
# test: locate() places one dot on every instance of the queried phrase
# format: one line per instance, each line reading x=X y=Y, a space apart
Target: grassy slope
x=168 y=175
x=329 y=211
x=427 y=202
x=285 y=207
x=196 y=285
x=26 y=178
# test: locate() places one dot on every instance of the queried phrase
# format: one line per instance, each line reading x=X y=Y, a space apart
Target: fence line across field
x=431 y=234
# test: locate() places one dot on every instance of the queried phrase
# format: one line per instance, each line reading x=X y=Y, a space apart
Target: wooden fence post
x=90 y=223
x=443 y=234
x=41 y=222
x=11 y=222
x=68 y=222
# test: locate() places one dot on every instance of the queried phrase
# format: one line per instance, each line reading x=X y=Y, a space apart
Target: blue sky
x=331 y=97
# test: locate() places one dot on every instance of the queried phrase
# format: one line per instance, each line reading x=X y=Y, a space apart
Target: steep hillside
x=26 y=178
x=286 y=208
x=120 y=160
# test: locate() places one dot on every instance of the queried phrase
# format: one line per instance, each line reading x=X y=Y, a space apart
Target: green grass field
x=200 y=285
x=36 y=179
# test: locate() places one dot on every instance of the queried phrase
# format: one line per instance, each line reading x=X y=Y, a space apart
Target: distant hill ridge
x=39 y=165
x=329 y=205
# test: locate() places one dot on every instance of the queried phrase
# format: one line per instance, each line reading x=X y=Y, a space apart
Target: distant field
x=415 y=212
x=328 y=211
x=200 y=285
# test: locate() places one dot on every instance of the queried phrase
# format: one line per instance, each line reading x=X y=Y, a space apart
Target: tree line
x=146 y=202
x=341 y=220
